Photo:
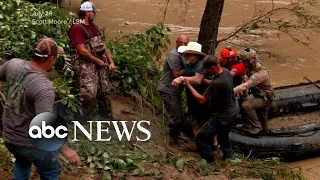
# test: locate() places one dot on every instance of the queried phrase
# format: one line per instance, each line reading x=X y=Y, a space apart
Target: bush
x=137 y=55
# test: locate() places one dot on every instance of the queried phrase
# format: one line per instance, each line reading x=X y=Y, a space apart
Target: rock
x=301 y=60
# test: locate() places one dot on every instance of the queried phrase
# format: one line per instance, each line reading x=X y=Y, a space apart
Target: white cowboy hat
x=192 y=48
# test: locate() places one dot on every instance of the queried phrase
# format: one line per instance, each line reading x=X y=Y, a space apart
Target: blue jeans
x=204 y=139
x=47 y=163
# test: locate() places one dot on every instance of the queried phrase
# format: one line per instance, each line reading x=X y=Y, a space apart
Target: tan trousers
x=255 y=112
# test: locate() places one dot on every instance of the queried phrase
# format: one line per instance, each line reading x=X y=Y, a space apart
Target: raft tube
x=295 y=98
x=287 y=143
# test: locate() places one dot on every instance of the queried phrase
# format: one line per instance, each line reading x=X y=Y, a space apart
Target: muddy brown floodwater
x=284 y=71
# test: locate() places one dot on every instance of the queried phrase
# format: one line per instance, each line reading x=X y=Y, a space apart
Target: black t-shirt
x=221 y=94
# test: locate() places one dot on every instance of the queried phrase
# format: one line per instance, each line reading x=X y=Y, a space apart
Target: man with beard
x=30 y=93
x=91 y=61
x=198 y=114
x=171 y=96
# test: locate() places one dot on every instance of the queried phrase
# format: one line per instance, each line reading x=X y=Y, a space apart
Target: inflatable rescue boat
x=287 y=143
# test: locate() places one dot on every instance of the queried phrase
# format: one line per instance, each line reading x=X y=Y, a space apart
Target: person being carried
x=197 y=114
x=171 y=96
x=223 y=109
x=90 y=59
x=255 y=110
x=30 y=93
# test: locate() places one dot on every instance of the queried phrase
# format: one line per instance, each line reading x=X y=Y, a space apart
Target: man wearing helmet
x=229 y=60
x=259 y=85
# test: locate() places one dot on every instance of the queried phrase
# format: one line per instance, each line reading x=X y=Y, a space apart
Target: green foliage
x=269 y=169
x=23 y=23
x=112 y=163
x=6 y=160
x=137 y=56
x=67 y=94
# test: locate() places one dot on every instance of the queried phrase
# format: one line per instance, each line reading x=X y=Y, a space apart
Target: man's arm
x=174 y=62
x=84 y=53
x=206 y=81
x=197 y=79
x=200 y=98
x=177 y=73
x=241 y=87
x=44 y=102
x=108 y=54
x=254 y=80
x=70 y=154
x=110 y=60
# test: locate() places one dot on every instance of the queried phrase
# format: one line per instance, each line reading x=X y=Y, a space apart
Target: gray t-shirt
x=29 y=93
x=174 y=61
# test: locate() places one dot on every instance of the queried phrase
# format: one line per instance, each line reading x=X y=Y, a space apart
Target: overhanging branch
x=251 y=21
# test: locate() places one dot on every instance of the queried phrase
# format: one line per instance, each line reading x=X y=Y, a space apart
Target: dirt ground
x=294 y=120
x=125 y=109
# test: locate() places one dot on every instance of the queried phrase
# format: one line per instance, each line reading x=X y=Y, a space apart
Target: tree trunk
x=209 y=26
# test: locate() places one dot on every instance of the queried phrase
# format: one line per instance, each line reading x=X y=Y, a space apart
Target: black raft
x=289 y=143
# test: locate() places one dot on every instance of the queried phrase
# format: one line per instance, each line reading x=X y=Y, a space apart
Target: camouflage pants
x=93 y=85
x=255 y=112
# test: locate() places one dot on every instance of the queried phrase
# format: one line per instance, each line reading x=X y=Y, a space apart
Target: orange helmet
x=228 y=53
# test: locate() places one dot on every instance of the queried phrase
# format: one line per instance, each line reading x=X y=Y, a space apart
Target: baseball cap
x=209 y=61
x=47 y=47
x=88 y=6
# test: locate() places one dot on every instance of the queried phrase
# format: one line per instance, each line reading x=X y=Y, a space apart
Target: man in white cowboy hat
x=91 y=62
x=198 y=113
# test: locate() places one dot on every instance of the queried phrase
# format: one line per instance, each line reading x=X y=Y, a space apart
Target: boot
x=227 y=153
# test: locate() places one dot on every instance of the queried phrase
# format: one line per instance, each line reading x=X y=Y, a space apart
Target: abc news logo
x=49 y=131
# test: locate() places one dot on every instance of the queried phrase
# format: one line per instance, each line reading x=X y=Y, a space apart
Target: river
x=296 y=61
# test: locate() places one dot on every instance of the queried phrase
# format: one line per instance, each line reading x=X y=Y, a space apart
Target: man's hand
x=112 y=67
x=71 y=155
x=239 y=95
x=176 y=82
x=186 y=82
x=101 y=63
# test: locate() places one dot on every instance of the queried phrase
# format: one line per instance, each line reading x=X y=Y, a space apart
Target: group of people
x=30 y=93
x=211 y=86
x=217 y=92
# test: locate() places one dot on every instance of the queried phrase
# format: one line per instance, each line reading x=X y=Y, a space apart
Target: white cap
x=88 y=6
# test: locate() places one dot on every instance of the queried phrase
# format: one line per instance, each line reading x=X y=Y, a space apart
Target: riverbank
x=165 y=162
